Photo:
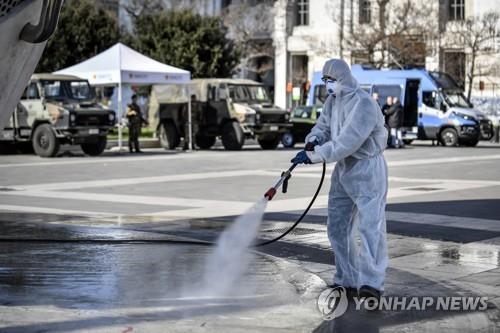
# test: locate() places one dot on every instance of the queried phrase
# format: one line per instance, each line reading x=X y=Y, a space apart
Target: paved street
x=92 y=244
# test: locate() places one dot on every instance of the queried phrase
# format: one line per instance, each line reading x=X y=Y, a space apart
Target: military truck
x=55 y=110
x=232 y=109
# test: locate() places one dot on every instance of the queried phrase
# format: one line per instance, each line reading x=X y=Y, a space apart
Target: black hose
x=301 y=217
x=170 y=241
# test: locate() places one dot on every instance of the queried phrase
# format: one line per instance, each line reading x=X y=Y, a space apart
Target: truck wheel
x=45 y=142
x=288 y=140
x=471 y=143
x=269 y=144
x=449 y=137
x=169 y=138
x=95 y=149
x=233 y=137
x=204 y=141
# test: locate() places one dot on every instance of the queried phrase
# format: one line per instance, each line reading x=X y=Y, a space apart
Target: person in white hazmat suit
x=351 y=132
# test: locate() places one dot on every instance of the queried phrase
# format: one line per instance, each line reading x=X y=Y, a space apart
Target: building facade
x=307 y=33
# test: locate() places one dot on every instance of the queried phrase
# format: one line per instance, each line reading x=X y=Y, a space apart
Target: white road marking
x=428 y=161
x=445 y=180
x=116 y=159
x=192 y=208
x=134 y=181
x=212 y=175
x=55 y=211
x=124 y=198
x=197 y=208
x=414 y=162
x=295 y=204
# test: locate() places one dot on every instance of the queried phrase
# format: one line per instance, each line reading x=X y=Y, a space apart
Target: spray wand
x=285 y=176
x=283 y=180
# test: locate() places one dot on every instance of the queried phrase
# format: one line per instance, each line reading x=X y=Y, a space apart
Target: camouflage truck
x=55 y=110
x=232 y=109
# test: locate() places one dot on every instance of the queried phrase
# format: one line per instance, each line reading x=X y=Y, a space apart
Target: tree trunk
x=341 y=29
x=351 y=18
x=471 y=73
x=382 y=25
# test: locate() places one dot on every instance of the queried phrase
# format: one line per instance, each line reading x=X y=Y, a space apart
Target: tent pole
x=190 y=119
x=120 y=115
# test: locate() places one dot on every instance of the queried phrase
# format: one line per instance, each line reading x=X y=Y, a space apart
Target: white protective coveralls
x=351 y=132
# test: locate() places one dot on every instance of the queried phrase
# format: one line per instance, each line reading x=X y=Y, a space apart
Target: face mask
x=331 y=87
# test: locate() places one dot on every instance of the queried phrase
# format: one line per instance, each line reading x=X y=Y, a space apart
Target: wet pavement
x=71 y=276
x=118 y=243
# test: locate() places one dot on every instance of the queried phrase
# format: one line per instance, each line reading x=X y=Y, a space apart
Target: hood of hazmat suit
x=349 y=124
x=351 y=132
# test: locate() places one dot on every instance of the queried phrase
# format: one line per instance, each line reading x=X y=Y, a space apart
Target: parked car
x=303 y=119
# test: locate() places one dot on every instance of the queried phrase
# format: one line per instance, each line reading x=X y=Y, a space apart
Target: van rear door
x=410 y=104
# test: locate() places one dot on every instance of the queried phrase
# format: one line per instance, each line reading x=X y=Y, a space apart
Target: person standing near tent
x=135 y=121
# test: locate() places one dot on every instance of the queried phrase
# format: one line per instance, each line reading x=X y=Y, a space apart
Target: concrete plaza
x=92 y=244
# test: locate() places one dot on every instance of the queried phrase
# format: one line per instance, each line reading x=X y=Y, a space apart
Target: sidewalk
x=418 y=267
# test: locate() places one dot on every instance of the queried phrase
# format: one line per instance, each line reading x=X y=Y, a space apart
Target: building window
x=456 y=10
x=225 y=3
x=407 y=51
x=365 y=11
x=302 y=12
x=454 y=65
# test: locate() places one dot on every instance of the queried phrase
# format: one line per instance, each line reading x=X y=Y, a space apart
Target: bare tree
x=476 y=35
x=136 y=8
x=341 y=28
x=251 y=23
x=392 y=37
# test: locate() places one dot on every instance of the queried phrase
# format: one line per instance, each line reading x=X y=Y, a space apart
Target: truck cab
x=59 y=109
x=446 y=109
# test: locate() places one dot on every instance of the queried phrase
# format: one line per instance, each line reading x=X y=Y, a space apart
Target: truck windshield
x=248 y=93
x=457 y=99
x=55 y=89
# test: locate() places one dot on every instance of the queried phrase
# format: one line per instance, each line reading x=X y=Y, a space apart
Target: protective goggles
x=326 y=79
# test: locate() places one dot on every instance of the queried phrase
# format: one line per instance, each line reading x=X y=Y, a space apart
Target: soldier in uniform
x=135 y=121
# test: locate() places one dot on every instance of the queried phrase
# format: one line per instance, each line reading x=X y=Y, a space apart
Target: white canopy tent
x=120 y=65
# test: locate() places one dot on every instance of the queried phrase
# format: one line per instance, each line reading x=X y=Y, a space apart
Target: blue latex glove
x=300 y=158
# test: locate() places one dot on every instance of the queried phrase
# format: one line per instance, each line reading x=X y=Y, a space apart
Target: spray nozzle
x=285 y=176
x=270 y=193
